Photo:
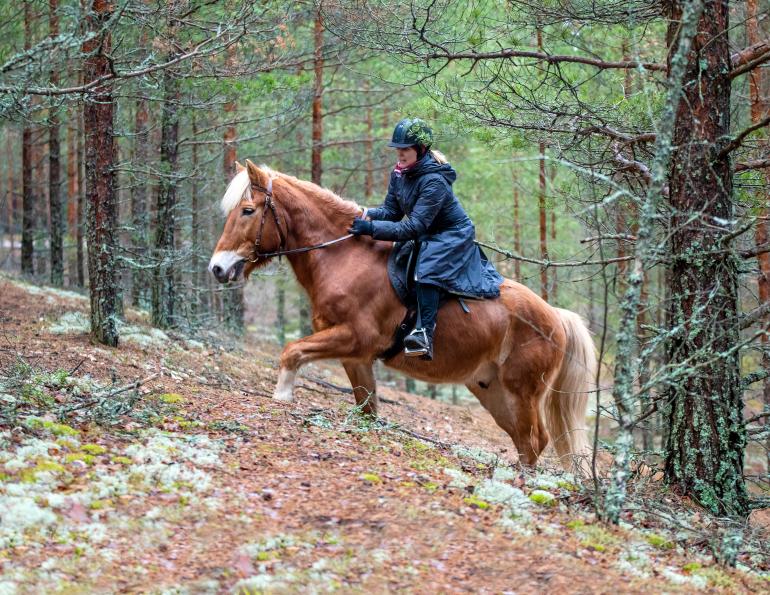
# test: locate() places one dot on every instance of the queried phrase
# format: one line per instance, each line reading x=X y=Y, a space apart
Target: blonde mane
x=238 y=186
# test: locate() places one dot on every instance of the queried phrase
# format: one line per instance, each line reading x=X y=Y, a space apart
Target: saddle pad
x=402 y=279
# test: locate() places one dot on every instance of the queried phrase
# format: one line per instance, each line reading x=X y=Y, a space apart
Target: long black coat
x=448 y=256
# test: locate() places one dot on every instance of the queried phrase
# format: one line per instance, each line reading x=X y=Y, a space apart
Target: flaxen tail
x=566 y=403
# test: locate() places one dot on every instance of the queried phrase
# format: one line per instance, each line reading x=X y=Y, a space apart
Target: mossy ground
x=200 y=483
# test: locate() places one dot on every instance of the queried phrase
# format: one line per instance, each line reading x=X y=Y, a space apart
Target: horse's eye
x=248 y=211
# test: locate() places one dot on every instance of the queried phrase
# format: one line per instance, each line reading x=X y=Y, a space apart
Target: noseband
x=270 y=204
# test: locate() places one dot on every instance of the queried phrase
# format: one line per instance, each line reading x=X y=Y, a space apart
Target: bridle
x=270 y=204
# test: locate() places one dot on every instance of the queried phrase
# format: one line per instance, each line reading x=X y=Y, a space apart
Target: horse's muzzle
x=227 y=266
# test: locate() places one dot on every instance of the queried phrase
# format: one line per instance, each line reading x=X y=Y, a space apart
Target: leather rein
x=270 y=204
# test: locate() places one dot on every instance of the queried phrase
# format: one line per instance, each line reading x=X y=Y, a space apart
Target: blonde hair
x=439 y=156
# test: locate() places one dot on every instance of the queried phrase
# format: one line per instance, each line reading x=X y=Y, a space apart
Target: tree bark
x=704 y=454
x=56 y=224
x=100 y=190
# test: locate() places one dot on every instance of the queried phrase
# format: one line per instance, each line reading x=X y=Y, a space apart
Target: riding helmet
x=410 y=132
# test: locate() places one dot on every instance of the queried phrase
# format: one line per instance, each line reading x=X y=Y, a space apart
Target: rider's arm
x=390 y=209
x=431 y=198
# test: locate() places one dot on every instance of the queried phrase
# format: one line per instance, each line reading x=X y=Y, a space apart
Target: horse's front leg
x=337 y=342
x=364 y=385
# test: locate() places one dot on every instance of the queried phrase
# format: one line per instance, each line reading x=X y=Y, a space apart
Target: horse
x=531 y=365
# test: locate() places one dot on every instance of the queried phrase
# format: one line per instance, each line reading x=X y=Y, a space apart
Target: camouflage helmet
x=410 y=132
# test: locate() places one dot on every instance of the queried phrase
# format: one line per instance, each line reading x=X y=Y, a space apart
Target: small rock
x=759 y=521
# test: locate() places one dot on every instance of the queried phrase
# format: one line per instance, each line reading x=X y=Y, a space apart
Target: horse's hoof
x=283 y=396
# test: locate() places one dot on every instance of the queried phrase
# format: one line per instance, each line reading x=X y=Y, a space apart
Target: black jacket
x=420 y=205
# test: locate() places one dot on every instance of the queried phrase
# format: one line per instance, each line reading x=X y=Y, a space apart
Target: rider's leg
x=420 y=340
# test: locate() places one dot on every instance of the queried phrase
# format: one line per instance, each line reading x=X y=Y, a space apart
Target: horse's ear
x=238 y=168
x=256 y=175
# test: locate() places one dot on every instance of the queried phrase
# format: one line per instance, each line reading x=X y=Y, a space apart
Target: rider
x=449 y=260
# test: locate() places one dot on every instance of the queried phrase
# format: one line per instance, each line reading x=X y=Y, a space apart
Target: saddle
x=402 y=262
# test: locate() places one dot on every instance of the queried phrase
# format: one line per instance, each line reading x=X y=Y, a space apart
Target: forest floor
x=195 y=481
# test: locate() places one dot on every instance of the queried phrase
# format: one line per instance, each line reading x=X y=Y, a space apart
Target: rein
x=270 y=204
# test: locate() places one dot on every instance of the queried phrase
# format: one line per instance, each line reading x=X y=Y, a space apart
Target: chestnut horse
x=531 y=365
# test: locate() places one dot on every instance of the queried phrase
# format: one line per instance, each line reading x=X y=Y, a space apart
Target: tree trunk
x=100 y=191
x=369 y=150
x=198 y=266
x=54 y=167
x=543 y=231
x=80 y=228
x=704 y=455
x=318 y=68
x=516 y=229
x=139 y=219
x=72 y=192
x=163 y=286
x=759 y=108
x=232 y=298
x=11 y=190
x=28 y=196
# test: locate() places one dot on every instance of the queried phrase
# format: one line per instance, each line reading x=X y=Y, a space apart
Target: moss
x=691 y=567
x=659 y=542
x=475 y=502
x=93 y=449
x=48 y=465
x=121 y=460
x=542 y=497
x=595 y=537
x=171 y=398
x=565 y=485
x=100 y=504
x=716 y=577
x=575 y=524
x=60 y=429
x=80 y=456
x=371 y=478
x=430 y=486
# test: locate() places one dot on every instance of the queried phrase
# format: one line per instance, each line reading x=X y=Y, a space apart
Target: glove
x=361 y=227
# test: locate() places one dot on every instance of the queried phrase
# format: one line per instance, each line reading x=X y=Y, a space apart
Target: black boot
x=419 y=343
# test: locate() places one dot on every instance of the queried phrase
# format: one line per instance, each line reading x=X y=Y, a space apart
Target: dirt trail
x=229 y=491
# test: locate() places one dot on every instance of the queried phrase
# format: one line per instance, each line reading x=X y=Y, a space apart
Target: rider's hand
x=361 y=227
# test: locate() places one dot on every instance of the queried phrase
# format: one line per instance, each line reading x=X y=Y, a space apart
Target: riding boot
x=419 y=343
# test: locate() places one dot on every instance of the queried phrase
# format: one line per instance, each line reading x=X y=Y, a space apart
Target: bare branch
x=507 y=54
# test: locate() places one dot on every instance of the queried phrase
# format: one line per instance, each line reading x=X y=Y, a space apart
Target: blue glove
x=361 y=227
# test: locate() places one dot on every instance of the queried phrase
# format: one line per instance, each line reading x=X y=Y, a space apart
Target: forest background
x=616 y=155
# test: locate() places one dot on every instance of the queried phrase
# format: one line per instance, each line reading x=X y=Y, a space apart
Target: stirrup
x=420 y=335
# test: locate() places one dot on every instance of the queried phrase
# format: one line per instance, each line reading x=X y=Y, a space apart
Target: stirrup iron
x=418 y=351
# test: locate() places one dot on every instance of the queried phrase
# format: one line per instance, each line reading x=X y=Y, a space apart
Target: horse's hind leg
x=364 y=386
x=517 y=412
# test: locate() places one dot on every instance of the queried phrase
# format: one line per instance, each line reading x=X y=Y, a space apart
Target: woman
x=448 y=259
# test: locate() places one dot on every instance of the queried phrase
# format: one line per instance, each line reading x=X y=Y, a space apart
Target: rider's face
x=406 y=157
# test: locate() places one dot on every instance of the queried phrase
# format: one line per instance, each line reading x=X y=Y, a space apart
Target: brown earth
x=336 y=502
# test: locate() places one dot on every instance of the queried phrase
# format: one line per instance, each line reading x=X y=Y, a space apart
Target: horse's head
x=252 y=224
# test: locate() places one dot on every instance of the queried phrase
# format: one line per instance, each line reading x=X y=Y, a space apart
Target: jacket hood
x=428 y=165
